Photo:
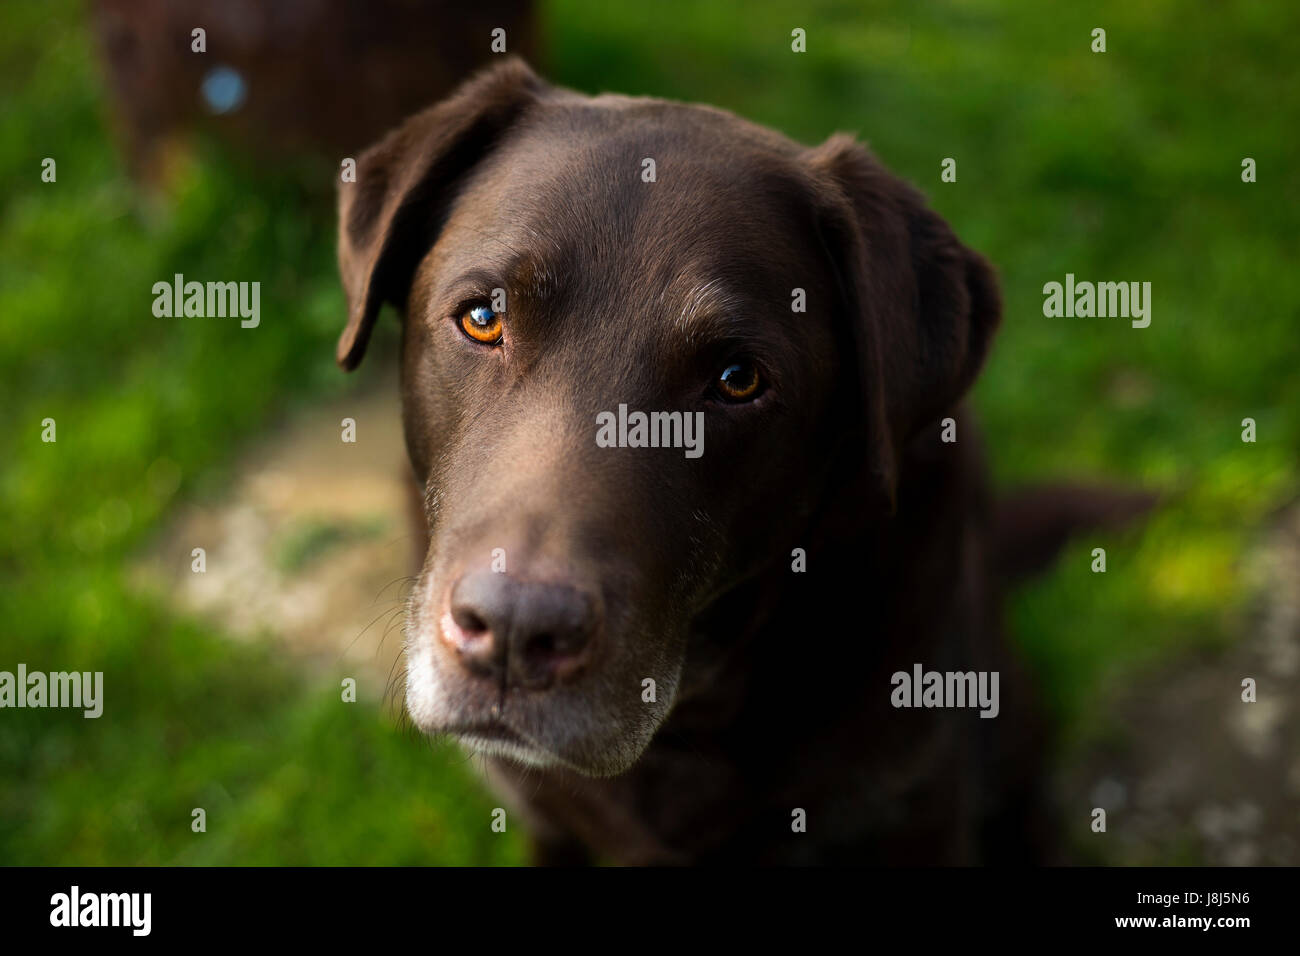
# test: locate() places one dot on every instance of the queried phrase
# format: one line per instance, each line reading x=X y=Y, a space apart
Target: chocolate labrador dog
x=683 y=400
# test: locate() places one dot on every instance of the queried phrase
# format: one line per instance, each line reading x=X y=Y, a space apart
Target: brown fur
x=774 y=686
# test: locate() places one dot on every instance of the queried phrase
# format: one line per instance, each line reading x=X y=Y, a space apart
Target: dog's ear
x=392 y=214
x=923 y=308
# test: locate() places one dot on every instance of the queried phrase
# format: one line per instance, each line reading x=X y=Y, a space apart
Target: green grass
x=148 y=411
x=1124 y=165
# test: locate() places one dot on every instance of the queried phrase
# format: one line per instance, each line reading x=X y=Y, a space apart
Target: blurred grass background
x=1117 y=166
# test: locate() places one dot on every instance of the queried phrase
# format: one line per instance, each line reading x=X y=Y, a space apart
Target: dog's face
x=566 y=264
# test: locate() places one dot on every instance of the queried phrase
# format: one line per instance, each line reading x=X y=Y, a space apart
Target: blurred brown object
x=284 y=77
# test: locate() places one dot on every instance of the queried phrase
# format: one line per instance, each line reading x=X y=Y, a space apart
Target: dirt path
x=309 y=547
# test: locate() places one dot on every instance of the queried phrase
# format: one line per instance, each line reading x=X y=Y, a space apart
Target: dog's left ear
x=922 y=307
x=391 y=216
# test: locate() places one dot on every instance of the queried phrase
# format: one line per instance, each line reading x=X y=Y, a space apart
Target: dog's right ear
x=392 y=214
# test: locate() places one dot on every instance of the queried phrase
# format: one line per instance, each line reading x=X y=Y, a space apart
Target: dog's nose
x=532 y=633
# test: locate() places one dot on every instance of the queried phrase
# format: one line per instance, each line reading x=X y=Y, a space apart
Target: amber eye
x=739 y=381
x=481 y=324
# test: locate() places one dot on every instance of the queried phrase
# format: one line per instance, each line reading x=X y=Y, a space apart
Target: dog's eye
x=740 y=381
x=481 y=324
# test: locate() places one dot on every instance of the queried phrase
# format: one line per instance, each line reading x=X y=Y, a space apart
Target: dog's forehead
x=691 y=197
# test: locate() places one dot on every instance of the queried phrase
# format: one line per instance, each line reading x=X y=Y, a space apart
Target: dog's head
x=566 y=264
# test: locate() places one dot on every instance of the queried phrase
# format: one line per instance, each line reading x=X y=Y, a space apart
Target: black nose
x=531 y=633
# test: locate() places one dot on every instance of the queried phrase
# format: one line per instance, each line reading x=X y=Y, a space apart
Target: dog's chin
x=502 y=743
x=483 y=732
x=498 y=739
x=515 y=751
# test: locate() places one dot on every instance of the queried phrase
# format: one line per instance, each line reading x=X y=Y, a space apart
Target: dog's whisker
x=411 y=578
